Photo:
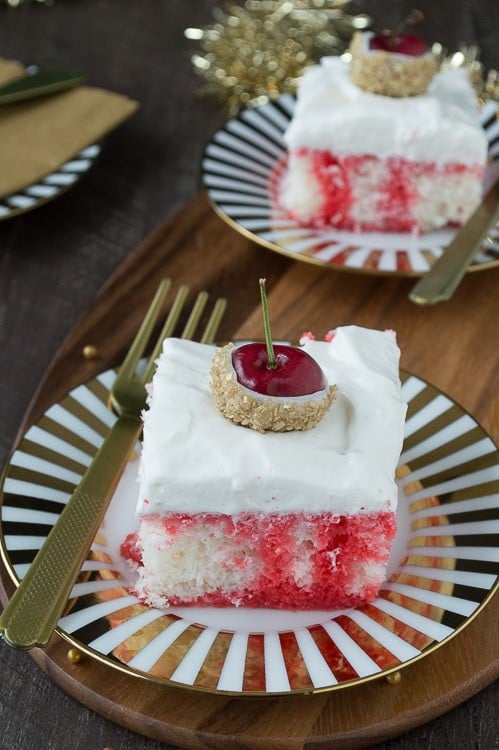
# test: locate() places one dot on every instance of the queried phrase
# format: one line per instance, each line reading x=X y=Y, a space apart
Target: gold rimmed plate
x=443 y=569
x=242 y=166
x=51 y=186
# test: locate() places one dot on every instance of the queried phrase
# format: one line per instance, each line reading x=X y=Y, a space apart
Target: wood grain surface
x=54 y=261
x=300 y=298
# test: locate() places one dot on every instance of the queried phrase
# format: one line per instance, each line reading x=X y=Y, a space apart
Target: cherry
x=404 y=44
x=276 y=370
x=295 y=372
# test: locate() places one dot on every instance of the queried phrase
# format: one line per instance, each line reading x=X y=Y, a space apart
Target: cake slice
x=231 y=516
x=365 y=161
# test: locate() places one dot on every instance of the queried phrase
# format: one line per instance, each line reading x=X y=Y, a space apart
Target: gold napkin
x=10 y=70
x=38 y=135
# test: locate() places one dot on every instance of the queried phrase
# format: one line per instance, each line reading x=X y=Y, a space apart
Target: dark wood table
x=55 y=260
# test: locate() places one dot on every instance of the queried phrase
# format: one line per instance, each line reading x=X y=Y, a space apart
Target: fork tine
x=167 y=330
x=135 y=352
x=195 y=315
x=210 y=331
x=172 y=319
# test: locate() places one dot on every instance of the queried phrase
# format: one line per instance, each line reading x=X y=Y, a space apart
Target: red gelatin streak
x=336 y=552
x=394 y=197
x=130 y=549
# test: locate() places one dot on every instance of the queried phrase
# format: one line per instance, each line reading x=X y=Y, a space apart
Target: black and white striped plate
x=242 y=165
x=51 y=186
x=443 y=569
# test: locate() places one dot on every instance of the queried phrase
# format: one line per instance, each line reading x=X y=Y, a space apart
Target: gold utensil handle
x=33 y=612
x=442 y=280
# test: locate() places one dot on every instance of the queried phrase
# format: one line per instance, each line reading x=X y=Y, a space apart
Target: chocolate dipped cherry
x=270 y=387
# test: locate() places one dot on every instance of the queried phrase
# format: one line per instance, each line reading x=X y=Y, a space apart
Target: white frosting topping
x=440 y=126
x=196 y=461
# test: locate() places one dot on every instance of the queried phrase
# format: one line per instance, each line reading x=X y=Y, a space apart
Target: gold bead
x=74 y=655
x=394 y=678
x=90 y=351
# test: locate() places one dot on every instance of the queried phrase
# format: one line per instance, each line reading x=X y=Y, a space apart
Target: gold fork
x=36 y=606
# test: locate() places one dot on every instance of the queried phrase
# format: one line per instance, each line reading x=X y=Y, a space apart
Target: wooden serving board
x=452 y=346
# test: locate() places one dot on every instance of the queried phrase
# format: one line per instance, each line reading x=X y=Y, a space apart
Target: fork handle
x=442 y=280
x=36 y=606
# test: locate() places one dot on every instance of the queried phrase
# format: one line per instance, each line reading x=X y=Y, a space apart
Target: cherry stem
x=414 y=17
x=271 y=363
